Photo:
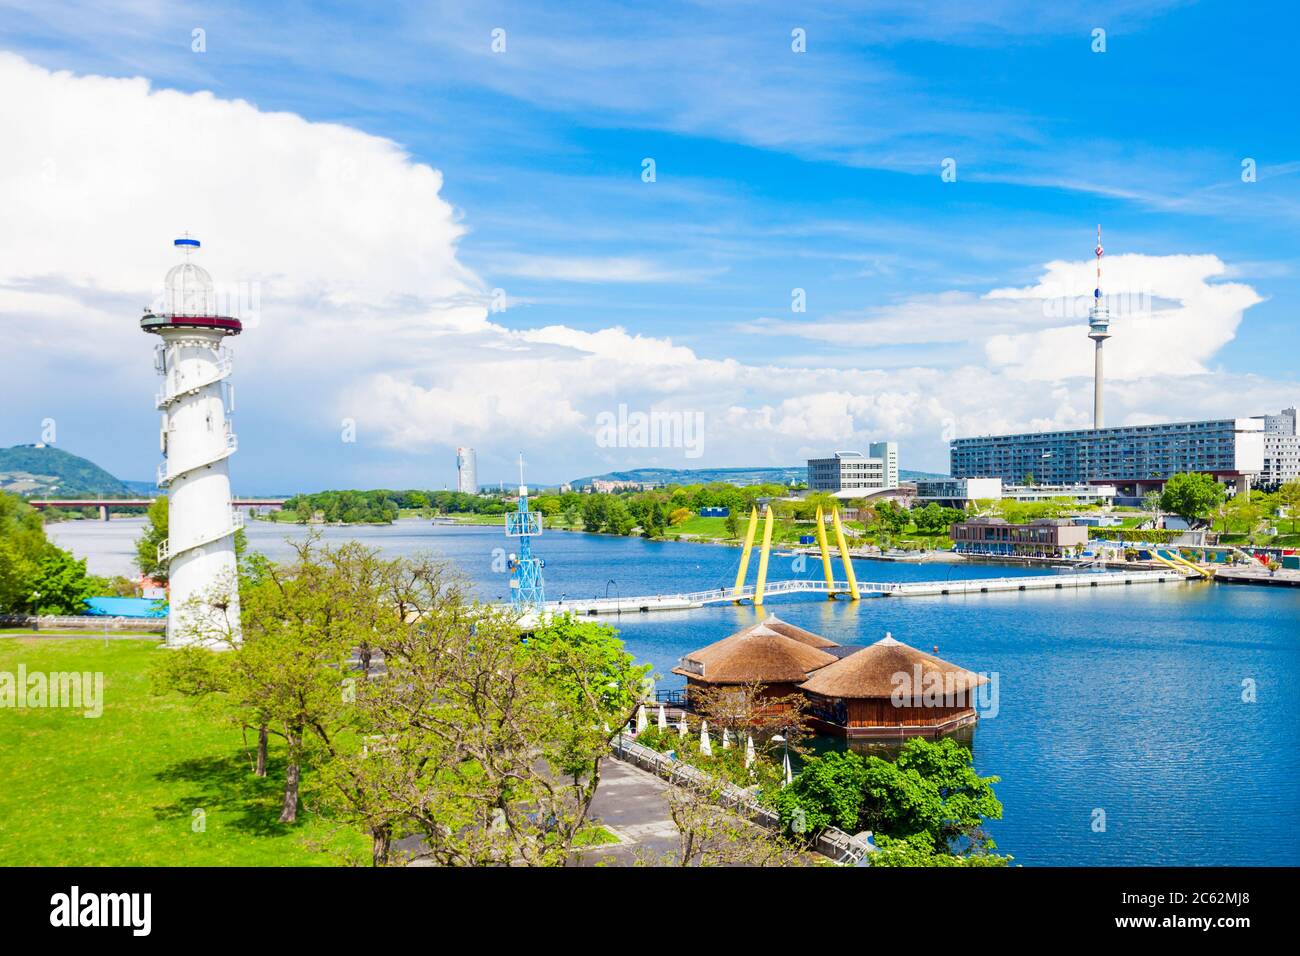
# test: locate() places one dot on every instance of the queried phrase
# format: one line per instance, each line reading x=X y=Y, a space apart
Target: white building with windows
x=1136 y=458
x=852 y=471
x=959 y=492
x=1281 y=449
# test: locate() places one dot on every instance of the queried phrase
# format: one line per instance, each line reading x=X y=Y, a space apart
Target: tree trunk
x=381 y=838
x=260 y=769
x=289 y=812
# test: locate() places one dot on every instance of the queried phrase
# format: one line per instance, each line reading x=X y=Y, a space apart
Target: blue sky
x=775 y=170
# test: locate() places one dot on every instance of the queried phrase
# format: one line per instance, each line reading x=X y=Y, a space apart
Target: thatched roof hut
x=798 y=633
x=757 y=653
x=890 y=689
x=874 y=671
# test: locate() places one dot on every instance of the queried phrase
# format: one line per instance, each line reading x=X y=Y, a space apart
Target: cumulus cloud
x=367 y=313
x=1167 y=317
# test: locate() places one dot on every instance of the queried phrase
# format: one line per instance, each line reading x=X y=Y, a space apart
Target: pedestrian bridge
x=696 y=599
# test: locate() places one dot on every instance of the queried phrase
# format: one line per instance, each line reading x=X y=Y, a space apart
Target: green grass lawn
x=121 y=789
x=705 y=527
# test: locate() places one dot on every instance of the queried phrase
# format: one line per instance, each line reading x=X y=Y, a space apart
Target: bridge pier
x=103 y=512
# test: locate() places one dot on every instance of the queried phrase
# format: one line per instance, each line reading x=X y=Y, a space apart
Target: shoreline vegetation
x=667 y=514
x=674 y=513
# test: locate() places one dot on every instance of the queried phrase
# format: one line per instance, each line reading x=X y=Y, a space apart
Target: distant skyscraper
x=466 y=471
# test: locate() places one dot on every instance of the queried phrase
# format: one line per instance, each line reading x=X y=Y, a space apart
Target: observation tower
x=196 y=442
x=1099 y=332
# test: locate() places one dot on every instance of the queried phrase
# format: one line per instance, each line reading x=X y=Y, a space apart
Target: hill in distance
x=734 y=476
x=39 y=471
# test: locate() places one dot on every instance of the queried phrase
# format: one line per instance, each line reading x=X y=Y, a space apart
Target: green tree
x=1244 y=512
x=61 y=584
x=489 y=747
x=1289 y=496
x=154 y=534
x=892 y=518
x=35 y=576
x=930 y=793
x=918 y=850
x=932 y=519
x=618 y=518
x=1151 y=502
x=1191 y=495
x=594 y=512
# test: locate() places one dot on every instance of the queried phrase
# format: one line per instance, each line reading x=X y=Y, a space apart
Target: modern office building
x=959 y=492
x=1046 y=538
x=1281 y=449
x=1136 y=458
x=887 y=452
x=854 y=471
x=1078 y=494
x=466 y=471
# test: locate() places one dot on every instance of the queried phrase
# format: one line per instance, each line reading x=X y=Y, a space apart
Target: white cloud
x=596 y=269
x=368 y=313
x=1167 y=318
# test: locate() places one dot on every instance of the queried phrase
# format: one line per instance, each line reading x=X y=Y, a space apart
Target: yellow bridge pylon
x=765 y=551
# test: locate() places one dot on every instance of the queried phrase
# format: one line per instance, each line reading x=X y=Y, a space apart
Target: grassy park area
x=121 y=789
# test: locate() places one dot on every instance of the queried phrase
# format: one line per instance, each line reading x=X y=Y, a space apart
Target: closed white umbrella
x=726 y=738
x=789 y=776
x=681 y=725
x=663 y=718
x=749 y=751
x=641 y=722
x=706 y=748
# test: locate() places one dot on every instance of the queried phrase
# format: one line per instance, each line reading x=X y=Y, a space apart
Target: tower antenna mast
x=1099 y=332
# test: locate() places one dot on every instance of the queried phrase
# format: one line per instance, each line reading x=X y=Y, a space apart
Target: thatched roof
x=798 y=633
x=756 y=653
x=870 y=673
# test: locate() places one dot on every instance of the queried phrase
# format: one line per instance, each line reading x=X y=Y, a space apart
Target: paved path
x=630 y=803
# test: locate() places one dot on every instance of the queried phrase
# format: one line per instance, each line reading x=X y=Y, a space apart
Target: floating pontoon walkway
x=696 y=599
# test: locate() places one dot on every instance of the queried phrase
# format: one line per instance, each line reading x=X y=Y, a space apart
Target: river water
x=1122 y=702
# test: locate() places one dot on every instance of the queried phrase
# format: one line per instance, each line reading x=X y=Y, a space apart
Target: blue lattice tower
x=526 y=588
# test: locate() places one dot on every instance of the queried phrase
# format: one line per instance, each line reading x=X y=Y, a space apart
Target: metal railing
x=713 y=595
x=831 y=842
x=84 y=622
x=175 y=384
x=236 y=523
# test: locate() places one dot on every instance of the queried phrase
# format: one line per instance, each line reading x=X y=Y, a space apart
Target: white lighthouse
x=197 y=443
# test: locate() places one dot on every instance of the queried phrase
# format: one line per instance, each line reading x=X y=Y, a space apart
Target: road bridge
x=105 y=505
